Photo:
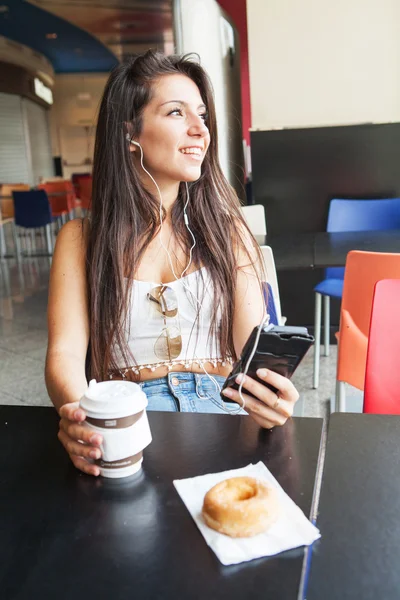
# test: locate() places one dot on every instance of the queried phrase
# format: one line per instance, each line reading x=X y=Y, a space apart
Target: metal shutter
x=14 y=160
x=39 y=141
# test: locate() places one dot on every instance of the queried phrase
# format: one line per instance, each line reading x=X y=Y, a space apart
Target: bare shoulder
x=68 y=288
x=69 y=258
x=74 y=234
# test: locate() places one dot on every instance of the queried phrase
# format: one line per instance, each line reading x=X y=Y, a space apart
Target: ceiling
x=90 y=35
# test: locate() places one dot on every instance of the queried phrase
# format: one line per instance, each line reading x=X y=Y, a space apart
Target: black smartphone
x=279 y=349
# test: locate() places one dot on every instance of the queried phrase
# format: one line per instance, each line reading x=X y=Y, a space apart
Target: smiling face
x=174 y=135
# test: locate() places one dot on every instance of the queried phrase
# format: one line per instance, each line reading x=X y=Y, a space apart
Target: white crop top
x=145 y=324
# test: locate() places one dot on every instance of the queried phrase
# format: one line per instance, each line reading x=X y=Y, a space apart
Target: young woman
x=161 y=285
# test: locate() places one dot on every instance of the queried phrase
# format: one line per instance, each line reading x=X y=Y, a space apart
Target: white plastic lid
x=113 y=399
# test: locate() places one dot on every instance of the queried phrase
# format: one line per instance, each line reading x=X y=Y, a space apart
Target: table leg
x=317 y=335
x=327 y=321
x=340 y=396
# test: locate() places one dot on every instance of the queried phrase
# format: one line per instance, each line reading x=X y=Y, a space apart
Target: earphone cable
x=265 y=318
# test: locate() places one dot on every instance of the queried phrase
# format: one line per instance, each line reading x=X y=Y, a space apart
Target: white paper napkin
x=291 y=530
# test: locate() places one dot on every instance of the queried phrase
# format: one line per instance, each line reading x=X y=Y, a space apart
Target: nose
x=197 y=127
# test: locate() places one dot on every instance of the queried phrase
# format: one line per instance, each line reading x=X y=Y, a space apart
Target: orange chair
x=61 y=196
x=363 y=270
x=382 y=377
x=7 y=204
x=85 y=192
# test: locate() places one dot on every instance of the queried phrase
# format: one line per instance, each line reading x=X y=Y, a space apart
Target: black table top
x=322 y=249
x=291 y=250
x=67 y=535
x=331 y=249
x=357 y=556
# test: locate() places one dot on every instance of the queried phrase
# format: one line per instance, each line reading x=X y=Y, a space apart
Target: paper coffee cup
x=117 y=411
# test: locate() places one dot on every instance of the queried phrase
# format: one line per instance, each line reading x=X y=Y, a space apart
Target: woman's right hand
x=81 y=443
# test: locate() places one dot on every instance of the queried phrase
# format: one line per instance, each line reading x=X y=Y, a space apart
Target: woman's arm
x=267 y=409
x=68 y=320
x=68 y=331
x=249 y=305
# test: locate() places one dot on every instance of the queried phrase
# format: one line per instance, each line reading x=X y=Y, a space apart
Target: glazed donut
x=241 y=506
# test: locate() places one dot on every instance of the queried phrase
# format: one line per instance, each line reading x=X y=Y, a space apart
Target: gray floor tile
x=32 y=342
x=38 y=354
x=32 y=391
x=32 y=315
x=10 y=327
x=16 y=372
x=9 y=399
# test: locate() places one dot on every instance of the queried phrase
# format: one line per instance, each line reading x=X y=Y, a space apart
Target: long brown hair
x=125 y=216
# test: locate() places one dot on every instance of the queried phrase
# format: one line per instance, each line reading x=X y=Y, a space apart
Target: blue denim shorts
x=187 y=392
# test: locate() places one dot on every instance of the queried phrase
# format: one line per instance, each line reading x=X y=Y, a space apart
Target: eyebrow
x=181 y=102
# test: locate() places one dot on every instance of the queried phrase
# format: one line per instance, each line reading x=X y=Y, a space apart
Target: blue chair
x=348 y=215
x=271 y=277
x=32 y=211
x=270 y=303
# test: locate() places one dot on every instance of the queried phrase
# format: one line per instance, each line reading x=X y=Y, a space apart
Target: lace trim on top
x=185 y=363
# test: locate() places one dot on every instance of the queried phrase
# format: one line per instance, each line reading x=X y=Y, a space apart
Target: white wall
x=70 y=118
x=192 y=19
x=323 y=62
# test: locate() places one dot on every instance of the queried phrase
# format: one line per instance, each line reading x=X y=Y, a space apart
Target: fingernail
x=240 y=378
x=78 y=415
x=94 y=454
x=96 y=439
x=262 y=372
x=227 y=392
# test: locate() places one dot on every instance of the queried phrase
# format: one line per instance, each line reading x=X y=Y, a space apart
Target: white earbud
x=132 y=141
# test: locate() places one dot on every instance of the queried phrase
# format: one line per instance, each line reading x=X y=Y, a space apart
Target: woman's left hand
x=267 y=408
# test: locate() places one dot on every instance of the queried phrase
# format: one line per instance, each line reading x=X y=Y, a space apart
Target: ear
x=128 y=127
